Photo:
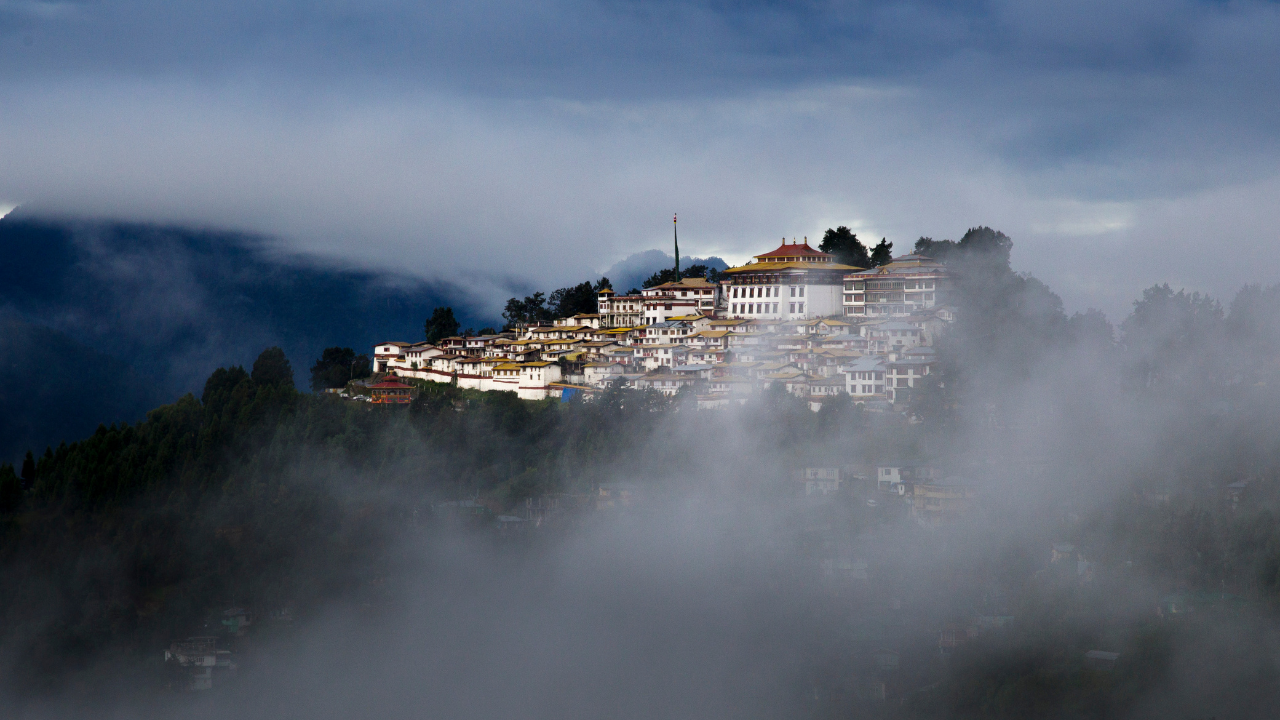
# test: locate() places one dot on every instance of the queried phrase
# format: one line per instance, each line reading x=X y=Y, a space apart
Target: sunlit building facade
x=793 y=282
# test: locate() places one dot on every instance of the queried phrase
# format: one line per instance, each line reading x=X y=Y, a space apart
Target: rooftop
x=771 y=265
x=907 y=264
x=795 y=252
x=696 y=283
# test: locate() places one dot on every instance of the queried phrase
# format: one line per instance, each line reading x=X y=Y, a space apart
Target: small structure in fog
x=235 y=620
x=195 y=660
x=1101 y=660
x=844 y=568
x=615 y=495
x=820 y=481
x=508 y=524
x=1062 y=552
x=887 y=660
x=936 y=502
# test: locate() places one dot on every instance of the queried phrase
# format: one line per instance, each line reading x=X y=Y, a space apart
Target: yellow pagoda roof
x=794 y=265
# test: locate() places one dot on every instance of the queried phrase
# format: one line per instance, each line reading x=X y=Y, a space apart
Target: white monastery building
x=793 y=282
x=909 y=284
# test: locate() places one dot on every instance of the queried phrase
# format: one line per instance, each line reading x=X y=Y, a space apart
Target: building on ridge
x=793 y=282
x=619 y=311
x=906 y=285
x=687 y=296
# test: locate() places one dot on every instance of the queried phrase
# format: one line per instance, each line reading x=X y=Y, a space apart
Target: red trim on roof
x=796 y=250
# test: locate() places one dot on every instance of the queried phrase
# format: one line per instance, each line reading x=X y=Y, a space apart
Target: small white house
x=864 y=377
x=821 y=481
x=888 y=478
x=387 y=355
x=600 y=374
x=536 y=379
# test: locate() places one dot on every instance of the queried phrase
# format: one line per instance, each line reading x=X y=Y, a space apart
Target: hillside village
x=793 y=317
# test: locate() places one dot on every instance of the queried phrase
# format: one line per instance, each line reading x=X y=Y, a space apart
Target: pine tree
x=28 y=470
x=882 y=254
x=272 y=368
x=441 y=324
x=844 y=244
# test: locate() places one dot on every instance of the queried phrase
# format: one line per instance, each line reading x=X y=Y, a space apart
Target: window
x=793 y=291
x=775 y=307
x=735 y=292
x=800 y=307
x=793 y=308
x=801 y=291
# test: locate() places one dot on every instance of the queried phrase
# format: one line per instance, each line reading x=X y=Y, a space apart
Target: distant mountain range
x=100 y=321
x=633 y=271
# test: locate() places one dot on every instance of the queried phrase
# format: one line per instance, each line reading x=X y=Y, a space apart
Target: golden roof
x=775 y=266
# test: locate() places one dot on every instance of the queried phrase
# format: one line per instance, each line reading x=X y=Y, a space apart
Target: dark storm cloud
x=594 y=49
x=435 y=135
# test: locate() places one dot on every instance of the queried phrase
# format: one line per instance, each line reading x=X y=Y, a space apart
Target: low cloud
x=545 y=143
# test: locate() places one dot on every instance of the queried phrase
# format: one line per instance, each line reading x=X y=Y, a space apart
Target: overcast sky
x=1118 y=143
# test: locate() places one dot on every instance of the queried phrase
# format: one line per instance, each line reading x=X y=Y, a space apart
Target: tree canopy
x=564 y=302
x=882 y=253
x=338 y=366
x=273 y=368
x=989 y=247
x=843 y=243
x=667 y=275
x=441 y=324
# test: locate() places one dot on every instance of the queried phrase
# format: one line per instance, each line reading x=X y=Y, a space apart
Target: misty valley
x=1063 y=519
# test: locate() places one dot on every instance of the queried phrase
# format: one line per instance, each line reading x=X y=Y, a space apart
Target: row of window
x=887 y=297
x=889 y=285
x=752 y=308
x=878 y=309
x=767 y=291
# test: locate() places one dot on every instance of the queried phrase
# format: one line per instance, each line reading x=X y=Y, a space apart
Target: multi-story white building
x=619 y=311
x=865 y=377
x=388 y=355
x=905 y=371
x=690 y=296
x=669 y=331
x=793 y=282
x=909 y=284
x=892 y=336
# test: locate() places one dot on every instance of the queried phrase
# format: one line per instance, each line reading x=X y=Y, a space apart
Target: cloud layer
x=1119 y=144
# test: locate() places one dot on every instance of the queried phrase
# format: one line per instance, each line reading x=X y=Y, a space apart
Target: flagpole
x=676 y=235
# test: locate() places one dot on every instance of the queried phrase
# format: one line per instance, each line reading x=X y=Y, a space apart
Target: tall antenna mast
x=675 y=234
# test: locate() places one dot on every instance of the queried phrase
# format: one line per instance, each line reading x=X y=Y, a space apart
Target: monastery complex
x=793 y=317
